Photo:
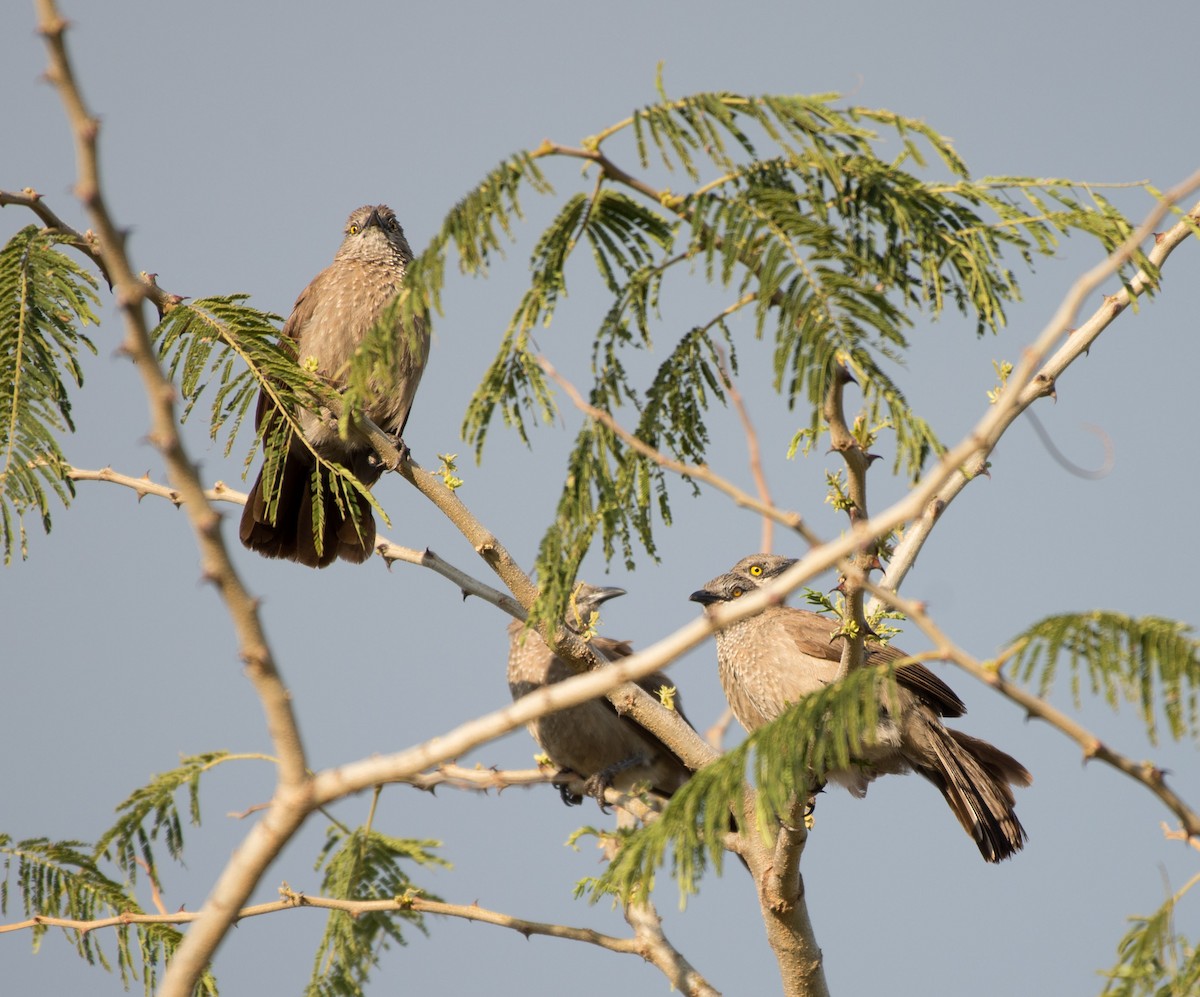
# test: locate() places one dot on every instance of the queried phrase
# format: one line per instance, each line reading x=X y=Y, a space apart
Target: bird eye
x=353 y=230
x=756 y=570
x=737 y=593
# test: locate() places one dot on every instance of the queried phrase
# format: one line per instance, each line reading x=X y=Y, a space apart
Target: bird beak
x=704 y=597
x=603 y=595
x=373 y=219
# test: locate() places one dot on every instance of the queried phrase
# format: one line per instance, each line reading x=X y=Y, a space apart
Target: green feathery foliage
x=1151 y=662
x=1154 y=961
x=130 y=839
x=44 y=299
x=223 y=340
x=59 y=879
x=363 y=865
x=830 y=240
x=781 y=761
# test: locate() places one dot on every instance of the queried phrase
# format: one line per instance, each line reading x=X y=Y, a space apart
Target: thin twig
x=699 y=472
x=753 y=450
x=387 y=549
x=1149 y=775
x=292 y=900
x=480 y=779
x=715 y=735
x=647 y=927
x=86 y=242
x=1035 y=376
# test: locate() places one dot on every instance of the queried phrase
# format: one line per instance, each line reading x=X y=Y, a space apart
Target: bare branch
x=220 y=492
x=291 y=800
x=487 y=545
x=858 y=462
x=467 y=584
x=783 y=881
x=647 y=927
x=753 y=450
x=389 y=551
x=990 y=673
x=699 y=472
x=87 y=243
x=1035 y=376
x=781 y=897
x=292 y=900
x=715 y=735
x=479 y=779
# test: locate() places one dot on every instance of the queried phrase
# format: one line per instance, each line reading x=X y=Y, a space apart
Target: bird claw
x=596 y=787
x=566 y=776
x=402 y=453
x=401 y=449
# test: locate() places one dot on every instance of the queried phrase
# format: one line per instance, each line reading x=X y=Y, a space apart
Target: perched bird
x=777 y=657
x=327 y=324
x=592 y=740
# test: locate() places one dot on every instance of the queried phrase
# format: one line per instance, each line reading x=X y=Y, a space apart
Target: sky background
x=237 y=137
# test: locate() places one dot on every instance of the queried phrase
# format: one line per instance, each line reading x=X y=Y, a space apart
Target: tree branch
x=858 y=462
x=698 y=472
x=486 y=544
x=1029 y=381
x=647 y=927
x=85 y=242
x=785 y=917
x=635 y=701
x=753 y=450
x=291 y=800
x=293 y=900
x=1149 y=775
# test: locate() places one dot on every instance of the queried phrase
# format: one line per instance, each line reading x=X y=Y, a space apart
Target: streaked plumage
x=592 y=740
x=775 y=658
x=328 y=322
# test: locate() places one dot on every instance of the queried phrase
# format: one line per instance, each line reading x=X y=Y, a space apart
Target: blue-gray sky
x=235 y=140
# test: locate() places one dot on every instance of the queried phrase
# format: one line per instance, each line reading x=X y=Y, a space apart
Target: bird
x=328 y=322
x=592 y=740
x=777 y=657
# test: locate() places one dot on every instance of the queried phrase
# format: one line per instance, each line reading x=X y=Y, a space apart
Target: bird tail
x=976 y=778
x=291 y=533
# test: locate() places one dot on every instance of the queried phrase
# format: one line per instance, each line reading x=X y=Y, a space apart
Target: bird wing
x=811 y=635
x=920 y=680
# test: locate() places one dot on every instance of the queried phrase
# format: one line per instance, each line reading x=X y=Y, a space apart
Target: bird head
x=748 y=574
x=585 y=601
x=373 y=231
